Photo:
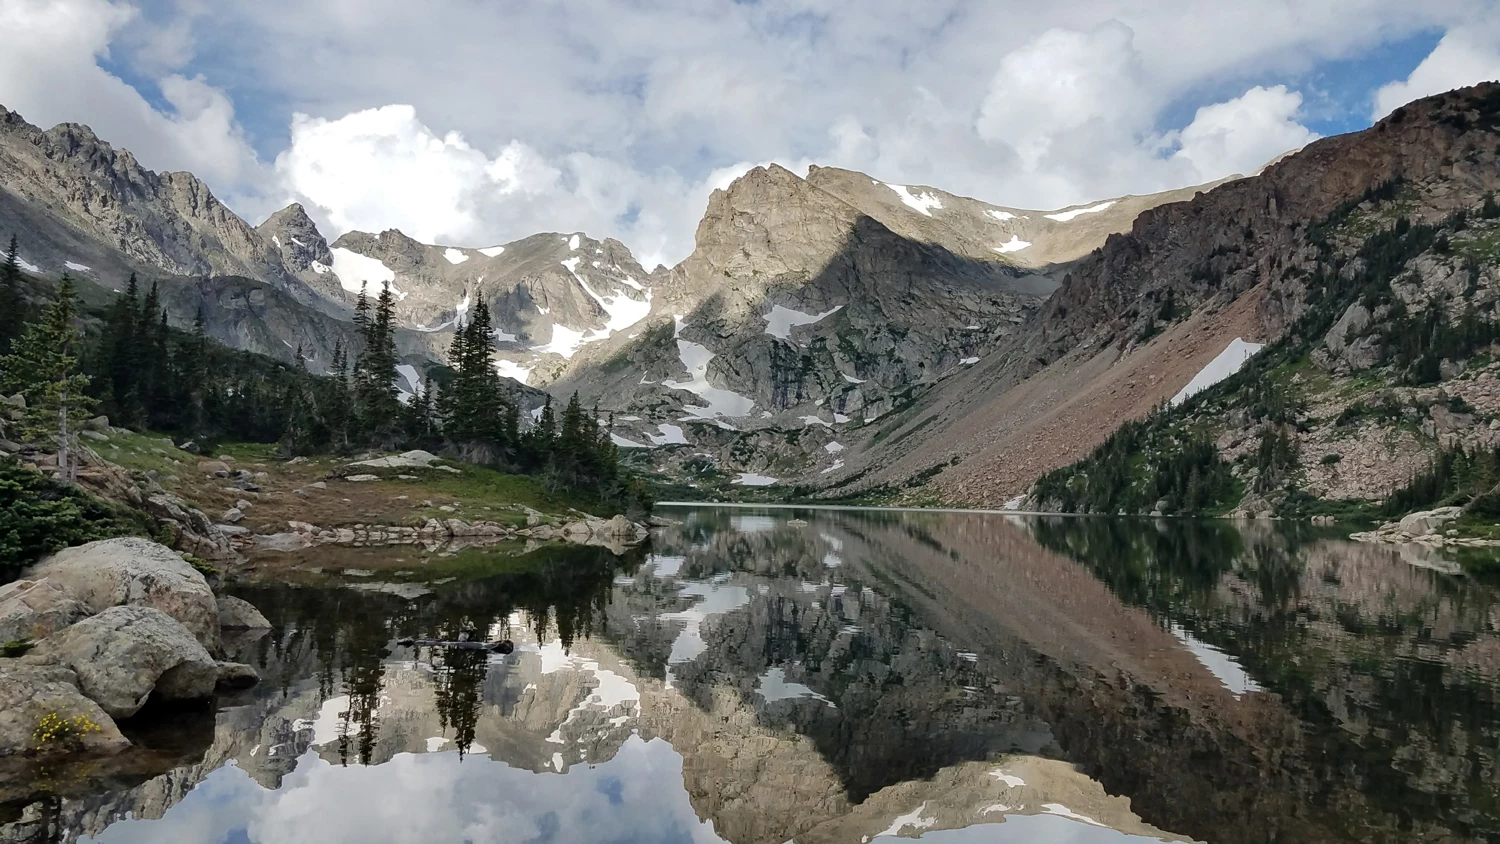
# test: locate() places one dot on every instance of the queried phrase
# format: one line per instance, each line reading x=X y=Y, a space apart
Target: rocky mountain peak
x=297 y=238
x=772 y=222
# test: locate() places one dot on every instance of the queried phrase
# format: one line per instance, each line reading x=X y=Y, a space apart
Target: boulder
x=405 y=460
x=125 y=654
x=233 y=515
x=619 y=526
x=31 y=691
x=214 y=467
x=136 y=572
x=238 y=614
x=35 y=609
x=195 y=531
x=1428 y=521
x=361 y=479
x=286 y=541
x=98 y=423
x=237 y=675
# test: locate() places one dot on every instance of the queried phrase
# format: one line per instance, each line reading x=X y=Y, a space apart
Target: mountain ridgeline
x=838 y=336
x=1378 y=392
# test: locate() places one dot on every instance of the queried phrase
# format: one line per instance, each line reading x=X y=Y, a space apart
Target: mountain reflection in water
x=854 y=676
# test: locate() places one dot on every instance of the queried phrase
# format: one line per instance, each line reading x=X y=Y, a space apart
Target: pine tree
x=43 y=367
x=191 y=365
x=12 y=302
x=379 y=408
x=121 y=356
x=362 y=312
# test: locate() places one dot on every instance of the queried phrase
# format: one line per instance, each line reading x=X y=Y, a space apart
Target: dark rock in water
x=238 y=614
x=236 y=675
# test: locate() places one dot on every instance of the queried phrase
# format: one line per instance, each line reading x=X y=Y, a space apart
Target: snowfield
x=355 y=270
x=1226 y=364
x=780 y=321
x=1015 y=244
x=920 y=203
x=1066 y=216
x=695 y=360
x=511 y=369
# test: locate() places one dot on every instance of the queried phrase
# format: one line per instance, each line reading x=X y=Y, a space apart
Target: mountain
x=1298 y=255
x=80 y=205
x=984 y=232
x=811 y=308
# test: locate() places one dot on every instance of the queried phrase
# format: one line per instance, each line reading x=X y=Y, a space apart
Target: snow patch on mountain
x=752 y=479
x=354 y=270
x=491 y=251
x=999 y=216
x=622 y=442
x=511 y=369
x=623 y=311
x=834 y=447
x=565 y=341
x=1226 y=364
x=75 y=266
x=27 y=265
x=455 y=256
x=413 y=380
x=1066 y=216
x=695 y=360
x=921 y=203
x=779 y=321
x=573 y=242
x=1015 y=244
x=670 y=435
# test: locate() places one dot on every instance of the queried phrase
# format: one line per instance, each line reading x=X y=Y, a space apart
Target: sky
x=478 y=122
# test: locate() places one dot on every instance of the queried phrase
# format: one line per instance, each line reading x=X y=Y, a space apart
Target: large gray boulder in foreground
x=35 y=609
x=30 y=692
x=136 y=572
x=125 y=653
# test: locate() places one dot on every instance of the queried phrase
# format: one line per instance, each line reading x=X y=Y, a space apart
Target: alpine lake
x=769 y=675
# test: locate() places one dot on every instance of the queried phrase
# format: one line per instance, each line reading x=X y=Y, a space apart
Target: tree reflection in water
x=350 y=633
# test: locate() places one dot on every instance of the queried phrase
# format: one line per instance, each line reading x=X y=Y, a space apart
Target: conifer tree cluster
x=145 y=374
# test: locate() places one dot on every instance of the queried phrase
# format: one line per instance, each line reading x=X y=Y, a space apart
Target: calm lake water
x=772 y=675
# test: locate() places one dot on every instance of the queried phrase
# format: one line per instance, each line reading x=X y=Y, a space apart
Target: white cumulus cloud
x=1244 y=133
x=50 y=73
x=1463 y=57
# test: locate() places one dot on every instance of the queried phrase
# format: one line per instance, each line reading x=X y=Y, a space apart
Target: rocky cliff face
x=86 y=202
x=1132 y=323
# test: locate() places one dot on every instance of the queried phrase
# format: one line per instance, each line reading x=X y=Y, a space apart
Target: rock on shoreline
x=113 y=624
